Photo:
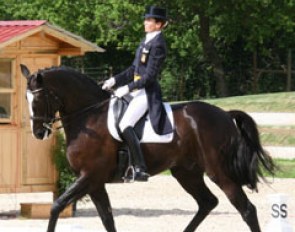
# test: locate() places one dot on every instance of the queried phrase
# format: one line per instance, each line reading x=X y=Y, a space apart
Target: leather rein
x=50 y=120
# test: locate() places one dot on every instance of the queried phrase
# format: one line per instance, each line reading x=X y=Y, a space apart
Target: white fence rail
x=276 y=119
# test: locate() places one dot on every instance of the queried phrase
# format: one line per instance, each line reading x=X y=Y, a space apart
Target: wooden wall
x=25 y=162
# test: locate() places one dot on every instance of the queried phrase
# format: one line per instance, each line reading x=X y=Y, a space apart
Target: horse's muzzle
x=42 y=134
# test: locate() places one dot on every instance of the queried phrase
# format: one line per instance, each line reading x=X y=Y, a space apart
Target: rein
x=52 y=120
x=75 y=114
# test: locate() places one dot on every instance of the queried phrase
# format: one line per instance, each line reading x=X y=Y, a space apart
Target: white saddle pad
x=149 y=135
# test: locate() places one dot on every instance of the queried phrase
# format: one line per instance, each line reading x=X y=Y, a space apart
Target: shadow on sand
x=146 y=212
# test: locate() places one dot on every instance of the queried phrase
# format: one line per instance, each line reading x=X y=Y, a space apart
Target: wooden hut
x=25 y=162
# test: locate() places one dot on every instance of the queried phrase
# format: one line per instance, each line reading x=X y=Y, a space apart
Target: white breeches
x=136 y=109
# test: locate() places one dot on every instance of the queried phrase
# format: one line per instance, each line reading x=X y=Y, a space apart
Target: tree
x=210 y=42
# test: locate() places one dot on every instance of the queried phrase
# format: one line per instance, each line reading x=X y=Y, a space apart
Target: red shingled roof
x=10 y=29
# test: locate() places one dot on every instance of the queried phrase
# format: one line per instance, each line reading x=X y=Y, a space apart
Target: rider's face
x=150 y=25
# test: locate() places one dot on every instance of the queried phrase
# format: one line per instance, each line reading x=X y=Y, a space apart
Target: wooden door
x=37 y=163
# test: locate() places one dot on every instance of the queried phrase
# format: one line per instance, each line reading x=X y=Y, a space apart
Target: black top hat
x=155 y=12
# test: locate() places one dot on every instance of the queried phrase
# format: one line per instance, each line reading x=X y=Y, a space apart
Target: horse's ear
x=25 y=71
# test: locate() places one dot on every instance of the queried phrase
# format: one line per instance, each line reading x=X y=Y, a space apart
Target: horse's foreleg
x=193 y=182
x=102 y=203
x=77 y=190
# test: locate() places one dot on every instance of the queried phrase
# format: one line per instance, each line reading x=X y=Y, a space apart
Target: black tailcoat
x=147 y=64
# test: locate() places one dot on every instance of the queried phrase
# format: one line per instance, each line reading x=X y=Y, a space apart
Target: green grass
x=277 y=136
x=273 y=102
x=286 y=168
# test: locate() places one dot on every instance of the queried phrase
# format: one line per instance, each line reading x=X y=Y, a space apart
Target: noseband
x=48 y=120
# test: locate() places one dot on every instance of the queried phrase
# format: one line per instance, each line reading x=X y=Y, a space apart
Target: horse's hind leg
x=239 y=199
x=77 y=190
x=193 y=183
x=102 y=203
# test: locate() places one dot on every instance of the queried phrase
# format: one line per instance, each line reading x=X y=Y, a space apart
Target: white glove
x=108 y=84
x=120 y=92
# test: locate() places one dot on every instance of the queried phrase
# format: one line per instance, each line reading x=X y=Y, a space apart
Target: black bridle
x=50 y=120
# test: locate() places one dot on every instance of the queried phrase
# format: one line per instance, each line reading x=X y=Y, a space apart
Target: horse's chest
x=75 y=157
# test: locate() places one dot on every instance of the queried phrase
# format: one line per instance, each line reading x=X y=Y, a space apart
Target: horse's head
x=43 y=104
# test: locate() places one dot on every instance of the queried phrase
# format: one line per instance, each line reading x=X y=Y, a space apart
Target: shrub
x=65 y=175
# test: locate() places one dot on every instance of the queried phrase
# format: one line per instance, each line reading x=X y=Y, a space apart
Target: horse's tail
x=248 y=161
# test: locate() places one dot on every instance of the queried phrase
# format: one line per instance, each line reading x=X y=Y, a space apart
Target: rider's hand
x=120 y=92
x=108 y=84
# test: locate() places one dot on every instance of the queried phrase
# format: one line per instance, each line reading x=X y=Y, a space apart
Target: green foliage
x=236 y=29
x=66 y=176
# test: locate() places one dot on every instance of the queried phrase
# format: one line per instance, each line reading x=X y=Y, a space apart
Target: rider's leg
x=136 y=109
x=139 y=164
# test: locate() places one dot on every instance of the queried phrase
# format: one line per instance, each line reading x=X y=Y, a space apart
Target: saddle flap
x=143 y=128
x=119 y=108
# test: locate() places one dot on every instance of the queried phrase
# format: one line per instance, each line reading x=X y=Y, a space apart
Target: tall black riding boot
x=132 y=141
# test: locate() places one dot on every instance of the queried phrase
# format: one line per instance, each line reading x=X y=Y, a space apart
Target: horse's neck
x=75 y=93
x=75 y=103
x=77 y=97
x=75 y=117
x=85 y=122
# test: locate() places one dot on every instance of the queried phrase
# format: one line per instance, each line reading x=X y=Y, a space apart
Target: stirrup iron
x=129 y=175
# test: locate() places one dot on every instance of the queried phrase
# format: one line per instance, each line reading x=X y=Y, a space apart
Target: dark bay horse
x=224 y=145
